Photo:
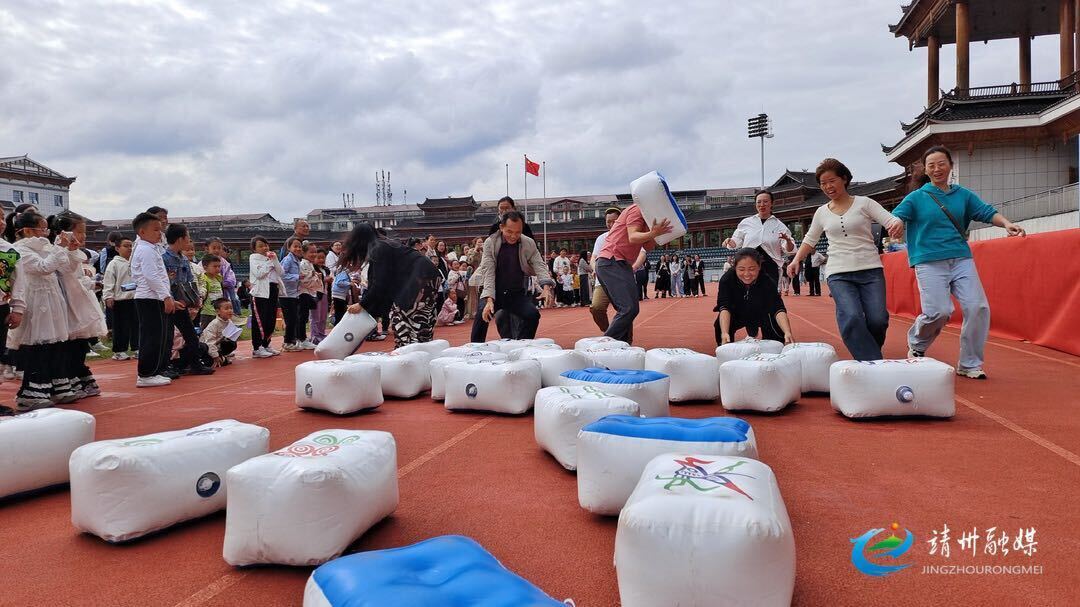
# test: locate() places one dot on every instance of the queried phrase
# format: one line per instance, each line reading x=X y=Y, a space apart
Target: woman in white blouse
x=856 y=278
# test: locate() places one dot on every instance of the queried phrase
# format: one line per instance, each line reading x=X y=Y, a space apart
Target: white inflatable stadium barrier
x=599 y=342
x=305 y=503
x=126 y=488
x=612 y=452
x=472 y=346
x=762 y=382
x=346 y=337
x=707 y=531
x=338 y=386
x=438 y=367
x=629 y=357
x=445 y=571
x=401 y=375
x=553 y=362
x=561 y=412
x=520 y=353
x=816 y=358
x=500 y=386
x=693 y=374
x=875 y=388
x=650 y=192
x=648 y=389
x=506 y=346
x=35 y=447
x=434 y=347
x=747 y=347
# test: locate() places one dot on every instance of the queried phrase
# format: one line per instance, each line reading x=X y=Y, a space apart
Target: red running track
x=1008 y=459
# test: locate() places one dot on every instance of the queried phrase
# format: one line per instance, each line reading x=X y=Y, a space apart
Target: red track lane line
x=224 y=582
x=646 y=321
x=175 y=396
x=1069 y=456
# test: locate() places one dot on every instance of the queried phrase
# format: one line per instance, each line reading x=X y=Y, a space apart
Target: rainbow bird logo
x=693 y=473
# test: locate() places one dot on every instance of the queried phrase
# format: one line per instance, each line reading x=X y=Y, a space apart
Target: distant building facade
x=23 y=180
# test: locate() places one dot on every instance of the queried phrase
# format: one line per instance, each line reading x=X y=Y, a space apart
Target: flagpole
x=507 y=178
x=526 y=180
x=543 y=171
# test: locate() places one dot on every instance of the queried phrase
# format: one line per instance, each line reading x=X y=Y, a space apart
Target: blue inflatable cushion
x=707 y=430
x=614 y=376
x=448 y=571
x=671 y=199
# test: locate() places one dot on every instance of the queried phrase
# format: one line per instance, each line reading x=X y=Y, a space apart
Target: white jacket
x=263 y=272
x=117 y=274
x=46 y=318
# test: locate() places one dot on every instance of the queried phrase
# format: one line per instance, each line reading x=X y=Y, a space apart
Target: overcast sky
x=229 y=107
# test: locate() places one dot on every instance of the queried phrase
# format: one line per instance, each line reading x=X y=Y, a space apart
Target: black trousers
x=769 y=329
x=125 y=326
x=517 y=303
x=264 y=319
x=305 y=304
x=155 y=336
x=795 y=283
x=189 y=354
x=769 y=267
x=290 y=309
x=642 y=278
x=5 y=309
x=813 y=280
x=701 y=284
x=339 y=309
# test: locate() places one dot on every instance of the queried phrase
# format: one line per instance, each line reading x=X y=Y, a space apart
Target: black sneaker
x=170 y=373
x=200 y=370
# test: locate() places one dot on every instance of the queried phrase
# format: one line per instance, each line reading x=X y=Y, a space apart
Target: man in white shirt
x=765 y=232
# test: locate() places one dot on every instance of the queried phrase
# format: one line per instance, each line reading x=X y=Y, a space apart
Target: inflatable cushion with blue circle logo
x=649 y=389
x=612 y=451
x=446 y=571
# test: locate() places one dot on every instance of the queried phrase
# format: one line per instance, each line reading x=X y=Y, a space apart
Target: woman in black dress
x=748 y=299
x=663 y=278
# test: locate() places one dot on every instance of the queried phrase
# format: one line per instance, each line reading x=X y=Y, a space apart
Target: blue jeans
x=938 y=280
x=860 y=311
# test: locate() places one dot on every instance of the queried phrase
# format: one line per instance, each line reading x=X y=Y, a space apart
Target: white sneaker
x=151 y=382
x=272 y=351
x=98 y=347
x=135 y=354
x=92 y=354
x=261 y=353
x=971 y=373
x=120 y=356
x=293 y=347
x=307 y=345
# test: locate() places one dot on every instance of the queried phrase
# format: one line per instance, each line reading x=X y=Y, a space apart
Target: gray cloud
x=229 y=106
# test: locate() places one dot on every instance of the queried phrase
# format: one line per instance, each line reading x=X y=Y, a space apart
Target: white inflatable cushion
x=499 y=386
x=599 y=342
x=816 y=358
x=553 y=362
x=614 y=450
x=401 y=375
x=338 y=386
x=694 y=376
x=434 y=347
x=519 y=353
x=35 y=447
x=762 y=382
x=561 y=412
x=707 y=531
x=507 y=346
x=122 y=489
x=305 y=503
x=651 y=194
x=472 y=346
x=438 y=367
x=445 y=571
x=747 y=347
x=346 y=337
x=648 y=389
x=629 y=357
x=916 y=386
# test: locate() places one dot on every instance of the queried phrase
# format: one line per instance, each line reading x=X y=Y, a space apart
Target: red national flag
x=532 y=167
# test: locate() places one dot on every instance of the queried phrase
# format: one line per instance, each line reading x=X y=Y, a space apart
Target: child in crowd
x=189 y=254
x=186 y=297
x=55 y=312
x=566 y=286
x=243 y=293
x=10 y=311
x=118 y=293
x=211 y=288
x=266 y=289
x=154 y=304
x=219 y=346
x=448 y=313
x=215 y=247
x=310 y=281
x=322 y=298
x=340 y=290
x=289 y=298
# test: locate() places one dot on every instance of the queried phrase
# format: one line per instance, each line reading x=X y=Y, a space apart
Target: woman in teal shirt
x=936 y=217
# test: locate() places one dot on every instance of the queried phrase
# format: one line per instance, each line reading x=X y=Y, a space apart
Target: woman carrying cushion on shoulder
x=937 y=216
x=856 y=278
